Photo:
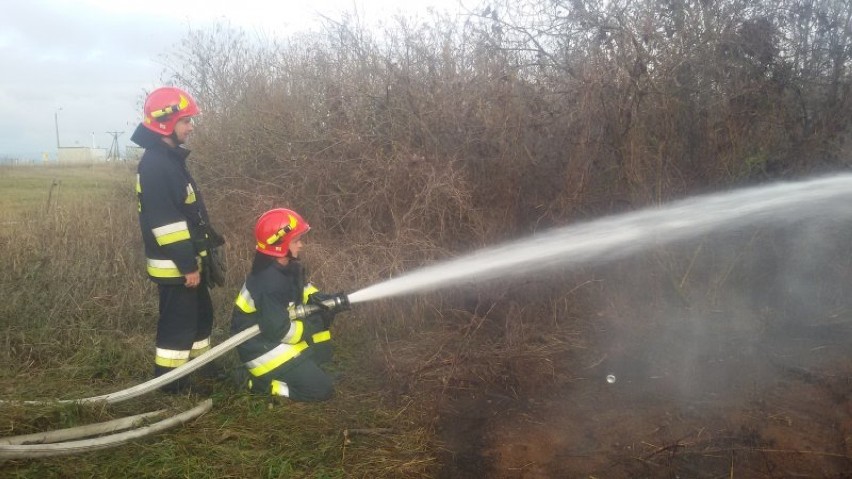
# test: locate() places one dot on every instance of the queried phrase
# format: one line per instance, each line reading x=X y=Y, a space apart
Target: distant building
x=80 y=155
x=8 y=160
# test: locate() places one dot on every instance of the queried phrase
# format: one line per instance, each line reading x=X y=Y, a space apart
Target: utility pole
x=56 y=122
x=113 y=153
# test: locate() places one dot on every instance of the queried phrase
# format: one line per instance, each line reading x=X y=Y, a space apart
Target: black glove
x=327 y=312
x=317 y=300
x=341 y=301
x=214 y=267
x=214 y=239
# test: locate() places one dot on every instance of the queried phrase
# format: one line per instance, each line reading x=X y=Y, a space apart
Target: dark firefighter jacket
x=172 y=215
x=264 y=300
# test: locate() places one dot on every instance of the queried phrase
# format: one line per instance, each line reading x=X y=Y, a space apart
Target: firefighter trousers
x=186 y=321
x=303 y=381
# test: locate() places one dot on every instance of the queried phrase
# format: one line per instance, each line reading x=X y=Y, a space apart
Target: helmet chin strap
x=171 y=140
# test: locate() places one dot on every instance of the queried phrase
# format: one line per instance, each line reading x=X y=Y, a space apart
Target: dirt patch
x=731 y=360
x=767 y=407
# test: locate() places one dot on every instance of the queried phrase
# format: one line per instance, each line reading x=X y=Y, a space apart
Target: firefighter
x=285 y=358
x=175 y=231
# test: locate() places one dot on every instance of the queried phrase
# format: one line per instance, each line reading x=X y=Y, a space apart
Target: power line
x=113 y=154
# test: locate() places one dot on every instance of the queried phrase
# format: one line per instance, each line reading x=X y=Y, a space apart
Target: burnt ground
x=720 y=401
x=732 y=358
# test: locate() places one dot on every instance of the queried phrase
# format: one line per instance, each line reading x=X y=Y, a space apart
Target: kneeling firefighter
x=285 y=358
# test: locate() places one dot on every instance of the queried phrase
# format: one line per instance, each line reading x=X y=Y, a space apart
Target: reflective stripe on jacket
x=171 y=210
x=264 y=300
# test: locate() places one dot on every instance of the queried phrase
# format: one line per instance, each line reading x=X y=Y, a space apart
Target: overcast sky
x=83 y=65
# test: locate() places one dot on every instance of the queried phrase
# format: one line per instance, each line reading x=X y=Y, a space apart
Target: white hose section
x=88 y=430
x=74 y=447
x=159 y=381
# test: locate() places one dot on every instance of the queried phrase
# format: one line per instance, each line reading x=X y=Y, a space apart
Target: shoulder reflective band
x=309 y=290
x=190 y=194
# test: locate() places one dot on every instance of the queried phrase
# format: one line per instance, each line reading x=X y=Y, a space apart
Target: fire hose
x=22 y=451
x=337 y=302
x=14 y=447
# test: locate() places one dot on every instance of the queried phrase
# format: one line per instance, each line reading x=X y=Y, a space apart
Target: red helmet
x=276 y=229
x=165 y=106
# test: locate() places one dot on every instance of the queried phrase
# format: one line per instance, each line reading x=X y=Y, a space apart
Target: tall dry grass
x=75 y=305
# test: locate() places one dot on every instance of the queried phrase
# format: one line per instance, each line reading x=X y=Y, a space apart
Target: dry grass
x=78 y=319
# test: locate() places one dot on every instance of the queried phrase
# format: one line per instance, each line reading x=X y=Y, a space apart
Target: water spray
x=616 y=237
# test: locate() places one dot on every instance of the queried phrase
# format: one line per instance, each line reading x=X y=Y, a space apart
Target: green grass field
x=78 y=319
x=26 y=190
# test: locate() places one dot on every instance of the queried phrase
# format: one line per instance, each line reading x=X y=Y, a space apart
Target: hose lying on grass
x=159 y=381
x=28 y=451
x=49 y=442
x=301 y=311
x=89 y=430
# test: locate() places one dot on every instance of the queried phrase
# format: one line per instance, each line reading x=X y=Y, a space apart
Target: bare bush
x=433 y=138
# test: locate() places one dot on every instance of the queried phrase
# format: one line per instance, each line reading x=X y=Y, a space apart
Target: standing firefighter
x=175 y=231
x=285 y=358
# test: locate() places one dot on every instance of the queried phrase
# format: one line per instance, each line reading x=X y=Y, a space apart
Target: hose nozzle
x=337 y=302
x=333 y=302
